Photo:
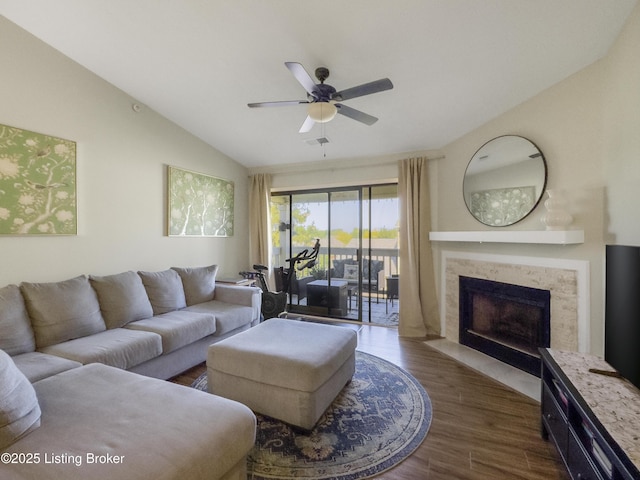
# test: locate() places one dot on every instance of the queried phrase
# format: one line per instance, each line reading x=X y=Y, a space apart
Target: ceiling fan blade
x=302 y=76
x=307 y=125
x=276 y=104
x=356 y=114
x=364 y=89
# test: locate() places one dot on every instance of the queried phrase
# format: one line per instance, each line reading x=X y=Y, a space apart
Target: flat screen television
x=622 y=311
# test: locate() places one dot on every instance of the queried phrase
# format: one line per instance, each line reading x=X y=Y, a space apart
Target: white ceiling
x=455 y=64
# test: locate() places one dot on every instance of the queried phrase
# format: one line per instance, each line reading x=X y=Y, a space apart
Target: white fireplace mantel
x=550 y=237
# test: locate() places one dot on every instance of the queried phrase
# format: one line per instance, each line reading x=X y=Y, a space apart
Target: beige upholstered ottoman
x=286 y=369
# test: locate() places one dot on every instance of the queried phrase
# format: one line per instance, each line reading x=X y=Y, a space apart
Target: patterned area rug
x=377 y=421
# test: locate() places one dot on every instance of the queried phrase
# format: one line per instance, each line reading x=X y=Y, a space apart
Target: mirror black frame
x=533 y=152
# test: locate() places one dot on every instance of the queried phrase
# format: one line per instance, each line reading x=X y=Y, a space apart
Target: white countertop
x=615 y=401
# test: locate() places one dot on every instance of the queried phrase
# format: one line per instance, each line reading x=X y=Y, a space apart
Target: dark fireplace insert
x=508 y=322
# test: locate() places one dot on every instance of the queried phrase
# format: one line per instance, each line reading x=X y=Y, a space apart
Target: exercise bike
x=274 y=303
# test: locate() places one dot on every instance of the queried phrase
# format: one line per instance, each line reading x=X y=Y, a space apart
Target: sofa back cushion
x=122 y=298
x=62 y=311
x=164 y=290
x=19 y=408
x=199 y=283
x=17 y=335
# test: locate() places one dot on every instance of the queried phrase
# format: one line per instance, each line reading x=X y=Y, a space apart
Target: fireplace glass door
x=508 y=322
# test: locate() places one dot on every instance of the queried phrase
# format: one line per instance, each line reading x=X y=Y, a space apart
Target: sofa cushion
x=122 y=298
x=165 y=290
x=162 y=430
x=19 y=408
x=38 y=365
x=177 y=329
x=118 y=347
x=229 y=316
x=17 y=335
x=199 y=283
x=62 y=311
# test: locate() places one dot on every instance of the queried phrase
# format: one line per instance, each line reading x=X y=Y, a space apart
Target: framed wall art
x=199 y=205
x=502 y=206
x=37 y=184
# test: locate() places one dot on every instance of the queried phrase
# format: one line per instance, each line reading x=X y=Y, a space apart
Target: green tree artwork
x=199 y=205
x=37 y=183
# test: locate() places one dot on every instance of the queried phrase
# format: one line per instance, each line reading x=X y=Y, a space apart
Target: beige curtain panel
x=418 y=300
x=259 y=222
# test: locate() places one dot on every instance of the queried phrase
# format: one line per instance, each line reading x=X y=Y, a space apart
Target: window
x=358 y=231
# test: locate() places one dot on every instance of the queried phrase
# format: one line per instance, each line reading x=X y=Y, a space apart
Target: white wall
x=621 y=144
x=121 y=172
x=333 y=173
x=588 y=128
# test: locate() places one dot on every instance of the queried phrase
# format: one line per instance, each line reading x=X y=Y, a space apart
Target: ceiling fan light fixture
x=322 y=112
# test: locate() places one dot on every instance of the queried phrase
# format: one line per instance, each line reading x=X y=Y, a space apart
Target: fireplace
x=508 y=322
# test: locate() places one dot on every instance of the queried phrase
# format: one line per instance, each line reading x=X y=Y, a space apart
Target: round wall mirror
x=504 y=181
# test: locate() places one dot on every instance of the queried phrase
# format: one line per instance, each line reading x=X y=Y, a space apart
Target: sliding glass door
x=357 y=228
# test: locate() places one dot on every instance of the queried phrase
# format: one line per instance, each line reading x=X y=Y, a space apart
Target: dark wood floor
x=480 y=429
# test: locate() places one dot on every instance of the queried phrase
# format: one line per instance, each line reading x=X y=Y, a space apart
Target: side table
x=324 y=296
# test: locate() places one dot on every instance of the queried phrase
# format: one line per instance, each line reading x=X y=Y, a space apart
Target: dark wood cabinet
x=583 y=439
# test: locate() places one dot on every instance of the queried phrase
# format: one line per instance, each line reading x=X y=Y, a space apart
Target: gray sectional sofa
x=78 y=347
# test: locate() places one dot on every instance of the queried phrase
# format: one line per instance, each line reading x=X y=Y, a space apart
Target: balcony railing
x=377 y=302
x=325 y=262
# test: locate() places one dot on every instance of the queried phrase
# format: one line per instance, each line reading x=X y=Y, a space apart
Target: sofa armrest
x=239 y=295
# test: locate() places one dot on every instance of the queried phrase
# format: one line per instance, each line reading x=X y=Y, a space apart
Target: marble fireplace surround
x=567 y=281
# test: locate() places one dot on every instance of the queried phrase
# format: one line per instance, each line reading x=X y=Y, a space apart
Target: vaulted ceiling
x=455 y=64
